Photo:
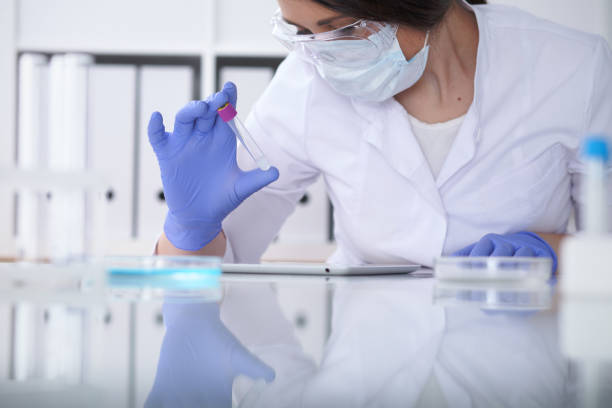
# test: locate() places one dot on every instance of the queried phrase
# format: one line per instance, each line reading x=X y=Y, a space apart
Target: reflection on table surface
x=285 y=341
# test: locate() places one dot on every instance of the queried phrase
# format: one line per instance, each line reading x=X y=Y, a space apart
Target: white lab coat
x=539 y=88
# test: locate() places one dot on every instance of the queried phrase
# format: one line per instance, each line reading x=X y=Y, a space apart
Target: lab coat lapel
x=392 y=136
x=463 y=149
x=400 y=199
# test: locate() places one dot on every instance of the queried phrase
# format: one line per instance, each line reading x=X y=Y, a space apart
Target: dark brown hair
x=420 y=14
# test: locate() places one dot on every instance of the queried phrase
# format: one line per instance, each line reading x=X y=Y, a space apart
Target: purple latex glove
x=522 y=243
x=201 y=178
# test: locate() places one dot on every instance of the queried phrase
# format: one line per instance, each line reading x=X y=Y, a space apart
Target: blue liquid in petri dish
x=164 y=278
x=164 y=271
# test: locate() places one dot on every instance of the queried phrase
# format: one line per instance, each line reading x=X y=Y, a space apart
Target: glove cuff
x=553 y=255
x=190 y=235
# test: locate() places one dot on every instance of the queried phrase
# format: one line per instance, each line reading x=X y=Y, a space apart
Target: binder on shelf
x=308 y=225
x=165 y=89
x=67 y=151
x=111 y=126
x=32 y=124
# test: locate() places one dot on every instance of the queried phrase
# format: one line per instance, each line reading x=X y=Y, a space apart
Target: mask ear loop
x=426 y=39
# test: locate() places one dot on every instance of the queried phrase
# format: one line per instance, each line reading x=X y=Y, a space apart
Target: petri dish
x=496 y=269
x=175 y=277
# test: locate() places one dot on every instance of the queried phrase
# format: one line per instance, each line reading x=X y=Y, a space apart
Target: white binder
x=32 y=126
x=309 y=223
x=165 y=89
x=111 y=125
x=67 y=150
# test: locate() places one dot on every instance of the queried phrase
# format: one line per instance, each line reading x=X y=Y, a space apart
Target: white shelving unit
x=207 y=31
x=205 y=28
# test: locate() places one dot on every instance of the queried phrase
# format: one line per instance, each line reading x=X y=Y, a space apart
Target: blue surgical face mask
x=372 y=80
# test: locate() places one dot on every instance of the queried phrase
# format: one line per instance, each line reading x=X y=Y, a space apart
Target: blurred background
x=80 y=78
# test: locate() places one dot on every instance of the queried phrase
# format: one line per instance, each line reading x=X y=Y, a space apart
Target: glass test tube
x=229 y=115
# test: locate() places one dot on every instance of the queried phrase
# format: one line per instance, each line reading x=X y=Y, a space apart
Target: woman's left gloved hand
x=522 y=243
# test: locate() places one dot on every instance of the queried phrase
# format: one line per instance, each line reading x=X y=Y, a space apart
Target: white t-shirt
x=436 y=140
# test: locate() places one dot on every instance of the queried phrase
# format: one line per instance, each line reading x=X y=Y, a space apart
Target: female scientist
x=439 y=127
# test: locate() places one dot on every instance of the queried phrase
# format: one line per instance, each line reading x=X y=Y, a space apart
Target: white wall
x=594 y=16
x=112 y=25
x=140 y=26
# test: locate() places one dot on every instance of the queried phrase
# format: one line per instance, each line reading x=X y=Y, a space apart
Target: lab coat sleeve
x=229 y=253
x=598 y=120
x=279 y=125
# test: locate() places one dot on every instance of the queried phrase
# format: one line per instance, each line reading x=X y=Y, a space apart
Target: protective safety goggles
x=358 y=42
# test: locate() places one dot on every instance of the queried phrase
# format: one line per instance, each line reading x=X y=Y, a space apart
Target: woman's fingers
x=202 y=115
x=525 y=251
x=502 y=249
x=206 y=122
x=232 y=92
x=156 y=131
x=484 y=247
x=251 y=181
x=187 y=116
x=465 y=251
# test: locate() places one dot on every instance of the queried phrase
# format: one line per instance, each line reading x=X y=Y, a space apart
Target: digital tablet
x=318 y=269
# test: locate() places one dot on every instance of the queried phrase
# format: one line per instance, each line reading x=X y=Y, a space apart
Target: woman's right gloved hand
x=201 y=178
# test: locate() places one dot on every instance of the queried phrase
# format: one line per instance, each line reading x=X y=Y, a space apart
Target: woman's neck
x=446 y=89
